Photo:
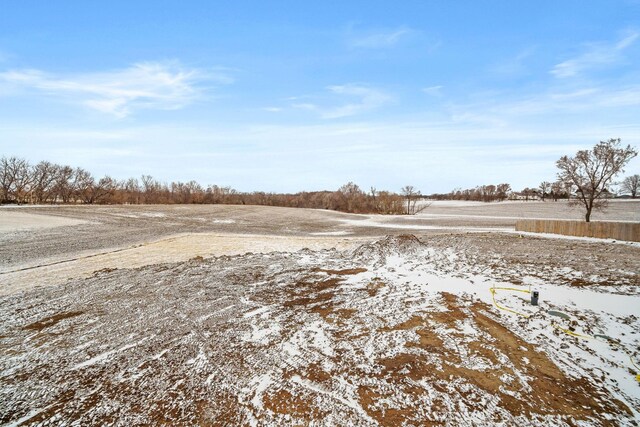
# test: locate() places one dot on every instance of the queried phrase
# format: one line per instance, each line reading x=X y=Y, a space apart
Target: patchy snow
x=319 y=338
x=13 y=220
x=583 y=239
x=325 y=337
x=102 y=357
x=256 y=312
x=260 y=385
x=153 y=214
x=262 y=335
x=378 y=221
x=332 y=233
x=449 y=203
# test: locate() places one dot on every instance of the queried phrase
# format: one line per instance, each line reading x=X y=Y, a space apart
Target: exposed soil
x=392 y=331
x=93 y=229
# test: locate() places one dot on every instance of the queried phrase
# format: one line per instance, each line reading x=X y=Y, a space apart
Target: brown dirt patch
x=315 y=373
x=548 y=392
x=283 y=402
x=345 y=313
x=47 y=322
x=345 y=272
x=428 y=341
x=374 y=287
x=413 y=322
x=369 y=399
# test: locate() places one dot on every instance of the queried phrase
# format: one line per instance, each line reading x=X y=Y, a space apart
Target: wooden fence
x=629 y=231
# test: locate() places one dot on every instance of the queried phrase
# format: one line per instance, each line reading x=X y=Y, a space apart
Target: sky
x=289 y=96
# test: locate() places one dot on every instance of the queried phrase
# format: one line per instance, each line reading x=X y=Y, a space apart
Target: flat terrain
x=618 y=210
x=244 y=315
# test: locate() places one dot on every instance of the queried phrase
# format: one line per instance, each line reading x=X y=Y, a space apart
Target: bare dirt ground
x=216 y=315
x=65 y=232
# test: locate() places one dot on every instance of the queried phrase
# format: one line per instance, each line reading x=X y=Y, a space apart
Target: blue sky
x=291 y=96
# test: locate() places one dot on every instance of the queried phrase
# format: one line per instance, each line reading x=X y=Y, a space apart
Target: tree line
x=49 y=183
x=585 y=179
x=482 y=193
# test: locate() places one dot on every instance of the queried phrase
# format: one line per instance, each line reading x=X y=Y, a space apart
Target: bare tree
x=83 y=184
x=503 y=191
x=6 y=179
x=63 y=188
x=556 y=190
x=15 y=179
x=411 y=194
x=196 y=192
x=529 y=193
x=631 y=184
x=351 y=198
x=131 y=191
x=544 y=189
x=44 y=178
x=152 y=189
x=488 y=193
x=103 y=189
x=591 y=171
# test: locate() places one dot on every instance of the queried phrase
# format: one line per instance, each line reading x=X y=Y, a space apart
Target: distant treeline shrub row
x=500 y=192
x=45 y=182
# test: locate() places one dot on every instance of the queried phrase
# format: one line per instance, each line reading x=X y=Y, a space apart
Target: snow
x=345 y=400
x=319 y=339
x=246 y=326
x=450 y=203
x=332 y=233
x=12 y=220
x=386 y=222
x=100 y=358
x=260 y=335
x=153 y=214
x=263 y=383
x=256 y=312
x=597 y=310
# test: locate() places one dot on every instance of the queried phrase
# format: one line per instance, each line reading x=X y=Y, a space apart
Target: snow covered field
x=165 y=318
x=618 y=210
x=13 y=221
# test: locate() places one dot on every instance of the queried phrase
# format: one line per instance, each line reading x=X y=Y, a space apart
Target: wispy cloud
x=145 y=85
x=366 y=99
x=433 y=90
x=515 y=65
x=369 y=99
x=609 y=104
x=379 y=40
x=597 y=55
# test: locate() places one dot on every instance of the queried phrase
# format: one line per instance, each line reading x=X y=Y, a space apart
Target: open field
x=244 y=315
x=618 y=210
x=36 y=235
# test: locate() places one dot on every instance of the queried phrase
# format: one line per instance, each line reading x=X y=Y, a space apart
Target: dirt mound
x=380 y=250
